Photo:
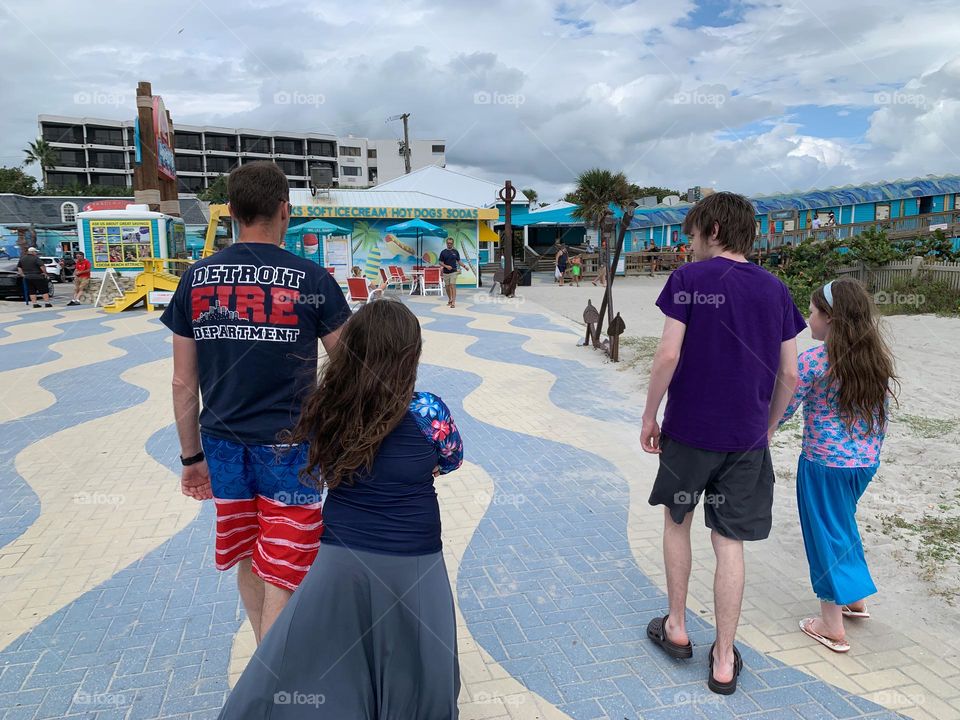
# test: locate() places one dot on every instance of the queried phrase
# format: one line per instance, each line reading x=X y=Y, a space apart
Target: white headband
x=828 y=293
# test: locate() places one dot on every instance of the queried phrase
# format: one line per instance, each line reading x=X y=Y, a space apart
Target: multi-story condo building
x=92 y=151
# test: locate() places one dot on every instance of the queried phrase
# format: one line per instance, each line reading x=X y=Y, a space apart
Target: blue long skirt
x=827 y=498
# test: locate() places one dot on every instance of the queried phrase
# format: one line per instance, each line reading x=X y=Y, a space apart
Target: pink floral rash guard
x=826 y=439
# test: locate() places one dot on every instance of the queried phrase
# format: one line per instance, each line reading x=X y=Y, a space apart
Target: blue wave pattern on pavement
x=29 y=318
x=82 y=394
x=153 y=641
x=578 y=388
x=549 y=587
x=34 y=352
x=518 y=318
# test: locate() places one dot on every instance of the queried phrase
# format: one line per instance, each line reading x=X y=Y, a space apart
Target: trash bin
x=526 y=277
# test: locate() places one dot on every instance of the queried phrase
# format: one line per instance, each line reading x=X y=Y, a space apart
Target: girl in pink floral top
x=826 y=438
x=844 y=387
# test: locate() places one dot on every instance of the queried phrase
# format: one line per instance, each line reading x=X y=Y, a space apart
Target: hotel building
x=94 y=151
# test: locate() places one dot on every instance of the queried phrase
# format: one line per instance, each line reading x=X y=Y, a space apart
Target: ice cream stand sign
x=393 y=213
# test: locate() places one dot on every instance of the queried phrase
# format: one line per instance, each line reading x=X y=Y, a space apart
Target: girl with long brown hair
x=370 y=634
x=845 y=386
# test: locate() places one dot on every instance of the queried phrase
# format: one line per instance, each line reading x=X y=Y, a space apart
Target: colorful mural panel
x=370 y=239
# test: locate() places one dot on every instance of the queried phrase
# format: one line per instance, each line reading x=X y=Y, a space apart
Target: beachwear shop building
x=901 y=207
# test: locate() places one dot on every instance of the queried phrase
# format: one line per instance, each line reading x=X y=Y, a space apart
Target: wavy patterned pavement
x=132 y=620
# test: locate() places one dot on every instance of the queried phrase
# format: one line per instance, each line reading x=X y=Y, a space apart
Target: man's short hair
x=255 y=191
x=733 y=214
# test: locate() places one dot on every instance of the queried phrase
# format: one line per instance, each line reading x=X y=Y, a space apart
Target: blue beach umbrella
x=317 y=228
x=417 y=229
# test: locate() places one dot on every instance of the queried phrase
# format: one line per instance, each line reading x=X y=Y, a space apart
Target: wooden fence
x=884 y=277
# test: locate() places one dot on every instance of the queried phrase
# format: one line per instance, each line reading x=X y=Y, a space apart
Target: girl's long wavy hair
x=861 y=370
x=365 y=387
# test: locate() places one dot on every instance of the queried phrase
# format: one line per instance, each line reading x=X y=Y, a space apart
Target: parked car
x=52 y=264
x=11 y=284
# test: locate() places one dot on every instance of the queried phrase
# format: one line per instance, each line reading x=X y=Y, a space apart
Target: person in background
x=845 y=387
x=451 y=264
x=601 y=277
x=31 y=268
x=652 y=250
x=376 y=291
x=727 y=361
x=561 y=264
x=81 y=278
x=576 y=269
x=372 y=629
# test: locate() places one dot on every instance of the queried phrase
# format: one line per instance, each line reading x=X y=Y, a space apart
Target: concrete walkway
x=110 y=606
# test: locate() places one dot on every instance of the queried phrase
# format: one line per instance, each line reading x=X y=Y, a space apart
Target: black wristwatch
x=199 y=457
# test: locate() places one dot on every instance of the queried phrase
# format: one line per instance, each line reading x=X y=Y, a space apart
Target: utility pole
x=405 y=145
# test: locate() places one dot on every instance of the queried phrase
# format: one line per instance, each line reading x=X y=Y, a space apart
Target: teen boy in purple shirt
x=728 y=363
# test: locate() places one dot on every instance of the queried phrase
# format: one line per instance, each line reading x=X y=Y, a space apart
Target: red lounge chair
x=397 y=273
x=388 y=281
x=359 y=292
x=432 y=281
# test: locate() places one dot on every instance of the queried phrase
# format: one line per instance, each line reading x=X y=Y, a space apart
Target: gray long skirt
x=365 y=637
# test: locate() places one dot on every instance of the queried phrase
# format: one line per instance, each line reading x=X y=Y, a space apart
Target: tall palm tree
x=42 y=153
x=596 y=189
x=531 y=194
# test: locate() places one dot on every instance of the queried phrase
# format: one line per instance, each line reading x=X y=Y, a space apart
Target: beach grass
x=927 y=427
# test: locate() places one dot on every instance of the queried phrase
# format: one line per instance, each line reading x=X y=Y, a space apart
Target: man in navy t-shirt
x=451 y=264
x=728 y=363
x=246 y=322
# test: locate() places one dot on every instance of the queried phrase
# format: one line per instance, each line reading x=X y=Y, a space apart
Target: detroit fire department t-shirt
x=256 y=312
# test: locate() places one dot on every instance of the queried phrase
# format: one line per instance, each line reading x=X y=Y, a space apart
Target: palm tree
x=596 y=189
x=464 y=236
x=364 y=236
x=531 y=194
x=42 y=153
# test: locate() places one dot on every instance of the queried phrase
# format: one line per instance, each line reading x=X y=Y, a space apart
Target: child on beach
x=576 y=269
x=728 y=357
x=845 y=386
x=371 y=632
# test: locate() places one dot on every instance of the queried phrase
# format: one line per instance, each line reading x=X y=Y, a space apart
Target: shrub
x=807 y=265
x=917 y=295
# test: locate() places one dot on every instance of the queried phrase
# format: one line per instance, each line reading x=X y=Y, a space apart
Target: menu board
x=121 y=243
x=337 y=255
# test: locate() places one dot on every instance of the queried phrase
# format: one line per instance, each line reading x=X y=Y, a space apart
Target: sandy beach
x=909 y=516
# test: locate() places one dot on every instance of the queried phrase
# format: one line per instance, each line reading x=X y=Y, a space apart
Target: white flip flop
x=838 y=646
x=846 y=611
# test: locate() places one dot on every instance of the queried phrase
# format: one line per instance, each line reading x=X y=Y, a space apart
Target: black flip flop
x=725 y=688
x=657 y=631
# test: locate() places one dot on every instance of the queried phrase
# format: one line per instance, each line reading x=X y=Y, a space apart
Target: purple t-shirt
x=737 y=315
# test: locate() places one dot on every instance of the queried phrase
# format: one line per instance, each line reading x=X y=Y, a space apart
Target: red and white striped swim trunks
x=263 y=511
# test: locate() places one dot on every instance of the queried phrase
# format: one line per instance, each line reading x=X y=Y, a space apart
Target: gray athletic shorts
x=736 y=487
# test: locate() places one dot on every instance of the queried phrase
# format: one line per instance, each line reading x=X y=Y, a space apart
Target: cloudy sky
x=759 y=97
